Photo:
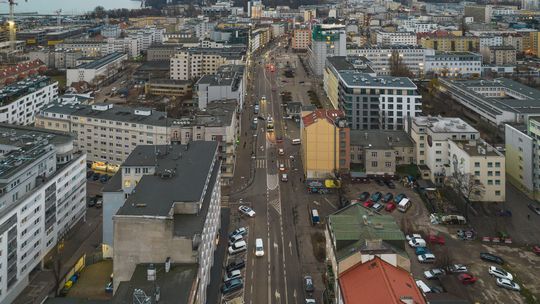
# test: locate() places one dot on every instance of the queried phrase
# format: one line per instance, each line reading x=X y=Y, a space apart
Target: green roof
x=353 y=226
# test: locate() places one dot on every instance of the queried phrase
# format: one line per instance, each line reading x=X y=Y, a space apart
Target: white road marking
x=330 y=202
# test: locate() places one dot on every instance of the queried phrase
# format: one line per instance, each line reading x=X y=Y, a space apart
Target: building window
x=388 y=164
x=374 y=154
x=490 y=164
x=497 y=165
x=374 y=164
x=498 y=193
x=477 y=164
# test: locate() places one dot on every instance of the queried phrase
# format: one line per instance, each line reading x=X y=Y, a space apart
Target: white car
x=413 y=236
x=426 y=258
x=417 y=243
x=281 y=167
x=237 y=247
x=259 y=247
x=457 y=268
x=434 y=273
x=235 y=239
x=508 y=284
x=500 y=273
x=281 y=151
x=247 y=211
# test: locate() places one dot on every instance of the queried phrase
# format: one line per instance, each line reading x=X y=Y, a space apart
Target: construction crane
x=58 y=17
x=11 y=23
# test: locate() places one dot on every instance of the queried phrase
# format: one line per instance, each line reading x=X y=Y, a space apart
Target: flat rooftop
x=22 y=88
x=477 y=148
x=176 y=286
x=182 y=171
x=380 y=139
x=350 y=63
x=23 y=145
x=101 y=62
x=512 y=95
x=114 y=113
x=358 y=79
x=444 y=124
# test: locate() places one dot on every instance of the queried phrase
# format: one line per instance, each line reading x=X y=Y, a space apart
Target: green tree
x=99 y=12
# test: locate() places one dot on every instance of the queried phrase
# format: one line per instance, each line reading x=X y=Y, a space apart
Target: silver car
x=508 y=284
x=500 y=273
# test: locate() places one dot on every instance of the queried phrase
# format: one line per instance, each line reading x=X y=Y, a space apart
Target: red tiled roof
x=434 y=34
x=378 y=282
x=23 y=69
x=329 y=115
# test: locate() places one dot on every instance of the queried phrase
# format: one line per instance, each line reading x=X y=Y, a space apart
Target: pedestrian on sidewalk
x=528 y=216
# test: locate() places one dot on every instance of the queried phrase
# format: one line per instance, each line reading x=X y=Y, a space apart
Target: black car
x=387 y=197
x=491 y=258
x=96 y=176
x=534 y=209
x=235 y=265
x=104 y=178
x=89 y=173
x=380 y=182
x=363 y=196
x=390 y=184
x=92 y=201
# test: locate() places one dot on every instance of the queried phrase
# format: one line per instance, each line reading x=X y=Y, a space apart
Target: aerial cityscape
x=269 y=152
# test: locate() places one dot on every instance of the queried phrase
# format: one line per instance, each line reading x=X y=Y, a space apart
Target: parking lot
x=519 y=259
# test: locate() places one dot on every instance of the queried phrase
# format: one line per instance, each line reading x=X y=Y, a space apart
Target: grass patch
x=61 y=80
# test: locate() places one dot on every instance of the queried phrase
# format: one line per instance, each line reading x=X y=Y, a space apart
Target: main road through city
x=276 y=277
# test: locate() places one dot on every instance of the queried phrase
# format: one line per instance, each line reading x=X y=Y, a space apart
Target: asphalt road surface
x=275 y=277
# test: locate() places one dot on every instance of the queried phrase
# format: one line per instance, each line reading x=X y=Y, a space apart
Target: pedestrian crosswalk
x=261 y=163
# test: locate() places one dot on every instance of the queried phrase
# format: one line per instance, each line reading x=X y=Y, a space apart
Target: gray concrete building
x=227 y=83
x=171 y=211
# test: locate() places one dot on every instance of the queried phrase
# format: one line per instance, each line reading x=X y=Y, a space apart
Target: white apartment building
x=191 y=63
x=106 y=132
x=384 y=38
x=431 y=135
x=147 y=36
x=381 y=102
x=413 y=57
x=328 y=40
x=453 y=64
x=489 y=40
x=97 y=71
x=43 y=196
x=21 y=101
x=111 y=31
x=128 y=45
x=166 y=207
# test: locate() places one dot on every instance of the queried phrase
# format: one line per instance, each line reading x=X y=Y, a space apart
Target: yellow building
x=531 y=43
x=325 y=143
x=451 y=43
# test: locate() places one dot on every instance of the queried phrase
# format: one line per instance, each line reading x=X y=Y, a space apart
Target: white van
x=259 y=247
x=404 y=205
x=296 y=141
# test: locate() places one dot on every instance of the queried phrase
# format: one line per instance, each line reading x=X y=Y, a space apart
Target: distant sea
x=68 y=6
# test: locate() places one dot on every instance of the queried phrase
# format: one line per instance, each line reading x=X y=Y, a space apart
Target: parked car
x=534 y=208
x=364 y=196
x=235 y=265
x=96 y=176
x=368 y=204
x=426 y=258
x=310 y=301
x=89 y=173
x=399 y=197
x=231 y=286
x=377 y=207
x=436 y=239
x=504 y=213
x=536 y=249
x=247 y=211
x=104 y=178
x=375 y=197
x=387 y=197
x=279 y=139
x=237 y=247
x=390 y=207
x=500 y=273
x=379 y=182
x=99 y=203
x=491 y=258
x=92 y=201
x=457 y=268
x=109 y=287
x=308 y=284
x=239 y=231
x=508 y=284
x=467 y=279
x=437 y=289
x=390 y=184
x=409 y=237
x=234 y=274
x=434 y=273
x=281 y=151
x=235 y=239
x=421 y=250
x=284 y=177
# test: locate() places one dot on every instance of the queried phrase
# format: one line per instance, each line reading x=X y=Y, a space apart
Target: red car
x=368 y=204
x=435 y=239
x=536 y=249
x=467 y=279
x=390 y=207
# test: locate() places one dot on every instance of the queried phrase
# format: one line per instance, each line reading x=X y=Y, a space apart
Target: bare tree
x=470 y=187
x=55 y=264
x=397 y=66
